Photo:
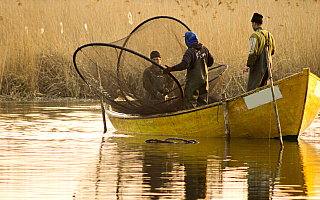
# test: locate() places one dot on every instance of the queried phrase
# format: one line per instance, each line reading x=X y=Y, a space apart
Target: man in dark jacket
x=257 y=59
x=196 y=60
x=156 y=84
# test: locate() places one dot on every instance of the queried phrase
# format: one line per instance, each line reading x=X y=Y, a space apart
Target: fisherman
x=196 y=60
x=257 y=59
x=156 y=84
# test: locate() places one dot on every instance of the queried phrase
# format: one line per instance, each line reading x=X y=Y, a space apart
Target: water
x=56 y=150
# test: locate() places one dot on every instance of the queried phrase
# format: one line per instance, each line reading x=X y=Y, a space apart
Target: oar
x=273 y=96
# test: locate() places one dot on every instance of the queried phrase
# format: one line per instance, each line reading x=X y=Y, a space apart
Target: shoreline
x=4 y=98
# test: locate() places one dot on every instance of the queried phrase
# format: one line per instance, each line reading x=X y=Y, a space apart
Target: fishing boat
x=114 y=72
x=250 y=114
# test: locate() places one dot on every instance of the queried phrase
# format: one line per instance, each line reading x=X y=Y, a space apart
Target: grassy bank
x=38 y=38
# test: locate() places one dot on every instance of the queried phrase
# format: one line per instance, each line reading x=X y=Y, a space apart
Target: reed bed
x=38 y=38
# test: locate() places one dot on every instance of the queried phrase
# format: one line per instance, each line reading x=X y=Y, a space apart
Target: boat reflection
x=311 y=168
x=129 y=168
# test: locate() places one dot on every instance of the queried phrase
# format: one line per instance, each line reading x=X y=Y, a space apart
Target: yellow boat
x=250 y=114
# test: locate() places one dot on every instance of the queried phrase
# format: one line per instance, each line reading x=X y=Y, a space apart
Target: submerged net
x=117 y=71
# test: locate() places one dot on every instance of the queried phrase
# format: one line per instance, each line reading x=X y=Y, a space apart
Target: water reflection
x=246 y=169
x=56 y=150
x=311 y=169
x=44 y=147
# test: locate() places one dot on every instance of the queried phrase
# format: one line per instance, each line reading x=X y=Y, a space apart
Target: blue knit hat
x=190 y=38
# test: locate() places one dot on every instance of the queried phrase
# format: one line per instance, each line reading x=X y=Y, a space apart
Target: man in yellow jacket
x=257 y=59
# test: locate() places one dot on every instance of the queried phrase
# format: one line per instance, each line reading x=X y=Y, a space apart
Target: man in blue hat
x=257 y=58
x=196 y=60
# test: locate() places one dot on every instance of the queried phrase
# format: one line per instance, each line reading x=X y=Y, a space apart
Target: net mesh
x=118 y=72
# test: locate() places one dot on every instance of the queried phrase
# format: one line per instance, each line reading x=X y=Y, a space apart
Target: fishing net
x=118 y=72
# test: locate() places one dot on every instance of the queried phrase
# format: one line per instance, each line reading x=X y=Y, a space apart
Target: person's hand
x=246 y=69
x=165 y=91
x=159 y=95
x=167 y=70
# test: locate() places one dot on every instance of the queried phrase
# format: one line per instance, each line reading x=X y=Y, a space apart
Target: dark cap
x=155 y=54
x=257 y=18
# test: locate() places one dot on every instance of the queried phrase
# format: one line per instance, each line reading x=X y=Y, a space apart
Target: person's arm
x=252 y=49
x=273 y=50
x=210 y=59
x=184 y=64
x=253 y=46
x=169 y=85
x=147 y=82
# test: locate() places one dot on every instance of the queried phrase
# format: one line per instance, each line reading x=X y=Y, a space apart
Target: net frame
x=121 y=49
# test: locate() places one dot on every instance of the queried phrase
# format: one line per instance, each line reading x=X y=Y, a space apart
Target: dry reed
x=38 y=38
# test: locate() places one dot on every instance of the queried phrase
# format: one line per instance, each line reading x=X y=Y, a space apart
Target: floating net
x=117 y=71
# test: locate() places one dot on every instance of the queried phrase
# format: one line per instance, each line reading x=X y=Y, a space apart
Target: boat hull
x=249 y=115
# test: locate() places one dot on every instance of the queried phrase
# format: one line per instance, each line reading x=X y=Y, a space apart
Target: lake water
x=57 y=150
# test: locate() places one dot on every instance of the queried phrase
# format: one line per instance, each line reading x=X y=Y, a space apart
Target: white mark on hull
x=262 y=97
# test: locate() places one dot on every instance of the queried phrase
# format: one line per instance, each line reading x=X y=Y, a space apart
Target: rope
x=168 y=141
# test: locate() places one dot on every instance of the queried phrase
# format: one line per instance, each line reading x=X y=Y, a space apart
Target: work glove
x=167 y=70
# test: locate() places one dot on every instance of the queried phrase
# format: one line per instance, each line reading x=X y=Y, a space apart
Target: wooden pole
x=226 y=153
x=273 y=96
x=276 y=179
x=102 y=106
x=103 y=116
x=225 y=116
x=275 y=109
